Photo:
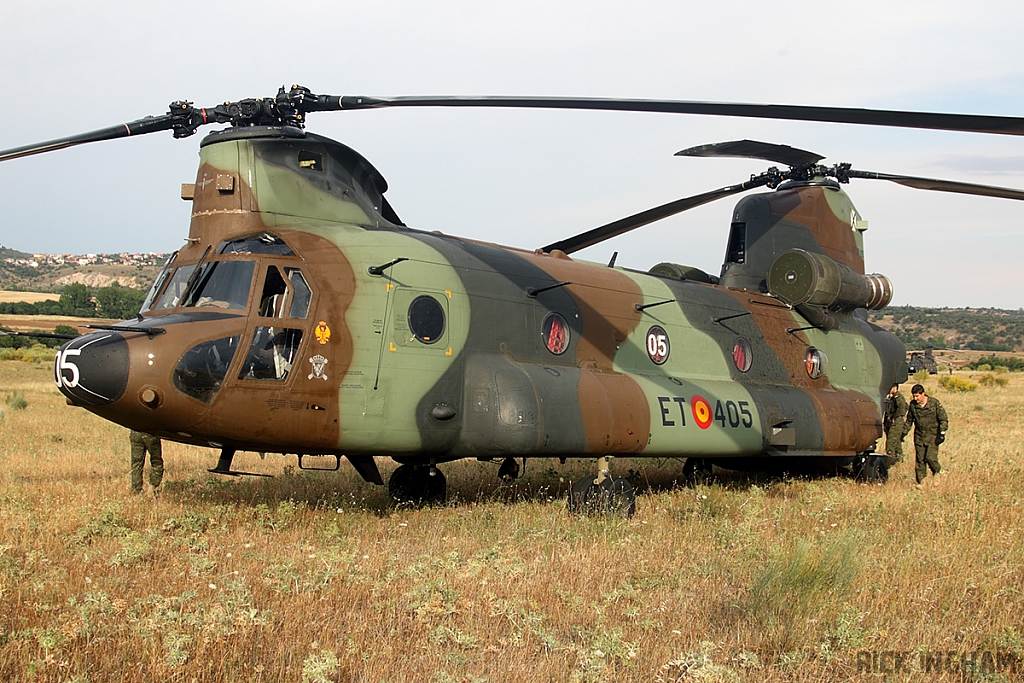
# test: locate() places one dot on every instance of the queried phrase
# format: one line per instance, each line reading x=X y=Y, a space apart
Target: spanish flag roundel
x=701 y=411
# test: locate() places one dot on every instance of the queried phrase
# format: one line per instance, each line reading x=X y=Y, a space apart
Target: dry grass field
x=318 y=577
x=7 y=296
x=27 y=323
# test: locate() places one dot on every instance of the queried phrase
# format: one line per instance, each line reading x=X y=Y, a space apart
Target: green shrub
x=953 y=383
x=990 y=380
x=984 y=367
x=920 y=376
x=31 y=354
x=16 y=401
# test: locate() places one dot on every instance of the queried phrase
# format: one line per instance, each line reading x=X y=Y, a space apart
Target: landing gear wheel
x=614 y=495
x=696 y=470
x=509 y=470
x=873 y=469
x=414 y=484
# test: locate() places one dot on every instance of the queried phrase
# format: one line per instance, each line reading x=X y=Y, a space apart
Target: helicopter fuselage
x=303 y=317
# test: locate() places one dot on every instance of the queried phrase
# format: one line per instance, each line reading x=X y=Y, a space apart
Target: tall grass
x=791 y=593
x=318 y=577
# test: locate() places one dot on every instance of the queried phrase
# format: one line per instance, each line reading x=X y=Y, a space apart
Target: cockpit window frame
x=298 y=302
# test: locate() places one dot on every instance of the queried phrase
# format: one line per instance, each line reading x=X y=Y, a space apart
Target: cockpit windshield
x=158 y=283
x=223 y=284
x=175 y=288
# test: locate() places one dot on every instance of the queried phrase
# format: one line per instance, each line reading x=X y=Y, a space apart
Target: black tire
x=873 y=469
x=614 y=495
x=414 y=484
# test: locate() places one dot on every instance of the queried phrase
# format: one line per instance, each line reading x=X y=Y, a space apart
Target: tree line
x=985 y=329
x=119 y=303
x=19 y=342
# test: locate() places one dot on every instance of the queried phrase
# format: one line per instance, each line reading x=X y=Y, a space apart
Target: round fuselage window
x=426 y=319
x=555 y=331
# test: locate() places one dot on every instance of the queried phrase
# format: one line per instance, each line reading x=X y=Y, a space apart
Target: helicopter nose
x=92 y=370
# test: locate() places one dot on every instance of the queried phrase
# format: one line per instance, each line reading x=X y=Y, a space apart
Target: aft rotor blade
x=149 y=124
x=754 y=149
x=969 y=123
x=943 y=185
x=638 y=220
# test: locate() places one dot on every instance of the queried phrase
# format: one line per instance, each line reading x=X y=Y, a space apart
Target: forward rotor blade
x=969 y=123
x=942 y=185
x=149 y=124
x=638 y=220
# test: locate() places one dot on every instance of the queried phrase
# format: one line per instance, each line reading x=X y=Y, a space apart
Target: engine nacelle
x=800 y=277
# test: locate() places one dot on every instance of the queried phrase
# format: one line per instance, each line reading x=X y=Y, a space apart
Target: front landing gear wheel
x=873 y=469
x=614 y=495
x=415 y=484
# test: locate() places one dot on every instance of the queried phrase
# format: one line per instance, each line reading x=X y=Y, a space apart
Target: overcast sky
x=520 y=177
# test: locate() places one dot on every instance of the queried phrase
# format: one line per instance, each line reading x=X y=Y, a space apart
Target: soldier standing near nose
x=142 y=442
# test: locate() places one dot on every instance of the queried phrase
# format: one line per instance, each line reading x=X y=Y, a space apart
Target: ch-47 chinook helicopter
x=304 y=317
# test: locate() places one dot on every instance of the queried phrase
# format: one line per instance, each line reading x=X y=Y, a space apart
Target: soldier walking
x=893 y=421
x=141 y=443
x=929 y=420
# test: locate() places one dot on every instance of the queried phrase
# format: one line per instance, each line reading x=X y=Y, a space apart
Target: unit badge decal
x=322 y=332
x=318 y=362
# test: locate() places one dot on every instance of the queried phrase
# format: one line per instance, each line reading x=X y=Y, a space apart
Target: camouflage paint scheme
x=497 y=388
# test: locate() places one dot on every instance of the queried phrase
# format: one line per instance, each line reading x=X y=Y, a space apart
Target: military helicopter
x=925 y=359
x=304 y=317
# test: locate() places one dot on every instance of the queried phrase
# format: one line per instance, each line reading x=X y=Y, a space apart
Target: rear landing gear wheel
x=614 y=495
x=873 y=469
x=416 y=485
x=509 y=470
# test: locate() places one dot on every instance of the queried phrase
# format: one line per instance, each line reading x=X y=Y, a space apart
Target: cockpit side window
x=272 y=301
x=301 y=293
x=223 y=284
x=175 y=288
x=271 y=354
x=201 y=371
x=158 y=283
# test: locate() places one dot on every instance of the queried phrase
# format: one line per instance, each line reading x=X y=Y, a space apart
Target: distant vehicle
x=924 y=360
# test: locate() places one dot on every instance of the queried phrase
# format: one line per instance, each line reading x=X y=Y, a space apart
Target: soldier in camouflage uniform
x=893 y=421
x=929 y=420
x=142 y=442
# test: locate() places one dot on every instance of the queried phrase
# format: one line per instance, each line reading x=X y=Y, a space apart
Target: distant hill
x=6 y=253
x=21 y=271
x=980 y=329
